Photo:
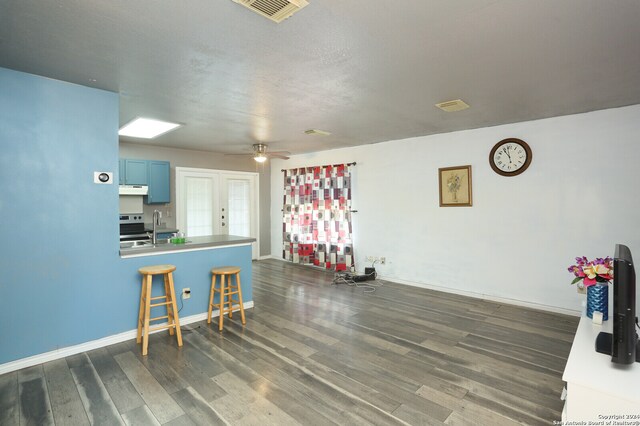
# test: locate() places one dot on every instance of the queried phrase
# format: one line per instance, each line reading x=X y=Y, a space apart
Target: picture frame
x=455 y=186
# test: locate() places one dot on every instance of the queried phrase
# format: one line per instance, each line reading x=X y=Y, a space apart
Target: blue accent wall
x=62 y=281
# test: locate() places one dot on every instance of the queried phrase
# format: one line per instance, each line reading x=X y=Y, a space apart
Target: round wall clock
x=510 y=157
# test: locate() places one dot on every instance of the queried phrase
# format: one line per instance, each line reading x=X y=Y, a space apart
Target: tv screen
x=622 y=343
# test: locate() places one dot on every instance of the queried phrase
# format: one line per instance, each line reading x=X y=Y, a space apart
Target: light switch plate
x=104 y=178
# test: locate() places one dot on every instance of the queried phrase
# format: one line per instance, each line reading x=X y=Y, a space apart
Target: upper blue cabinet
x=158 y=178
x=154 y=174
x=135 y=172
x=121 y=169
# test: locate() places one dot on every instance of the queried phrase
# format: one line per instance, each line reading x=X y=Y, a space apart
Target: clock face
x=510 y=157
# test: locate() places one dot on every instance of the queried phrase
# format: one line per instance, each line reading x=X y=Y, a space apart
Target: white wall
x=580 y=196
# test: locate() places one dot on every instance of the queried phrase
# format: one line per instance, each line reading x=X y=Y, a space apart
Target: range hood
x=133 y=190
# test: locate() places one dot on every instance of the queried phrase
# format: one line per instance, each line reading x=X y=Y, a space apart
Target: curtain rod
x=332 y=165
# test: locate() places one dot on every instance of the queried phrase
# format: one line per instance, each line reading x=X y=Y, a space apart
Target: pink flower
x=592 y=272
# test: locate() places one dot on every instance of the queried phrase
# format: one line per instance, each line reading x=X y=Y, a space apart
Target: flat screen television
x=622 y=344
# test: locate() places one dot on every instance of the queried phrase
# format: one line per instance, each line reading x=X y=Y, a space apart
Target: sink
x=142 y=244
x=134 y=244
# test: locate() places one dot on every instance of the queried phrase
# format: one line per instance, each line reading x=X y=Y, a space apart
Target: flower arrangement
x=591 y=272
x=453 y=184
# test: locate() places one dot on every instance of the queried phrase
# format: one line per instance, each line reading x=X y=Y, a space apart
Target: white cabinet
x=598 y=389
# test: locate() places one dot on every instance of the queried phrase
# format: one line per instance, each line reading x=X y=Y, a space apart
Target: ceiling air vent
x=276 y=10
x=453 y=106
x=316 y=132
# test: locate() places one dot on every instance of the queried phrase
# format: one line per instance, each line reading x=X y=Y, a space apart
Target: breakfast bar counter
x=193 y=261
x=192 y=244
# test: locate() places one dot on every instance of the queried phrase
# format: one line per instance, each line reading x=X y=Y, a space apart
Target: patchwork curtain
x=317 y=217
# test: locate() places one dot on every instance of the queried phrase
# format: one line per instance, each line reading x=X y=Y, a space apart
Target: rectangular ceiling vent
x=453 y=106
x=276 y=10
x=317 y=132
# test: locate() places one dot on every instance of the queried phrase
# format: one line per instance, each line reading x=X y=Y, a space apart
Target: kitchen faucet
x=156 y=222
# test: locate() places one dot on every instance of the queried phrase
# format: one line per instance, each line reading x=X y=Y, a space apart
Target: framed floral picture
x=455 y=186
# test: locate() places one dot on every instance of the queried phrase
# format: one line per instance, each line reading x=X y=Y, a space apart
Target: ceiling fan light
x=260 y=158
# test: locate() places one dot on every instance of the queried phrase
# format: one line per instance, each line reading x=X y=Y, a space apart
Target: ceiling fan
x=260 y=153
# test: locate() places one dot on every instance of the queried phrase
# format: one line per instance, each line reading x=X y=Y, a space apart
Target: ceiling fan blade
x=274 y=155
x=248 y=154
x=285 y=153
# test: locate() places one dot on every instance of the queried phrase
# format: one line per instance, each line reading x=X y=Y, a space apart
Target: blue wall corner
x=63 y=282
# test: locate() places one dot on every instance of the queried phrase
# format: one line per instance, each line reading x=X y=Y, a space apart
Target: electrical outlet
x=186 y=293
x=383 y=260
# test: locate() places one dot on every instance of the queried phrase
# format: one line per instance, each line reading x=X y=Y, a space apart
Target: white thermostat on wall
x=103 y=177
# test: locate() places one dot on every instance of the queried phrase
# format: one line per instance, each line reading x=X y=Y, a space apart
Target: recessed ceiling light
x=316 y=132
x=453 y=106
x=147 y=128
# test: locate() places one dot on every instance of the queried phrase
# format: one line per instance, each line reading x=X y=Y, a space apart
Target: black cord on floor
x=349 y=279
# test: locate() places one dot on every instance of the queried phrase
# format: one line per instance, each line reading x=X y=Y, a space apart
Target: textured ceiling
x=367 y=71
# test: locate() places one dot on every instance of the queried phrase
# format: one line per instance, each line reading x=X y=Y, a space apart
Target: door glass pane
x=199 y=209
x=239 y=208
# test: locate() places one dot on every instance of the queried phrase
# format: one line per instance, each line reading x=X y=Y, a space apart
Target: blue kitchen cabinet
x=121 y=171
x=135 y=172
x=158 y=181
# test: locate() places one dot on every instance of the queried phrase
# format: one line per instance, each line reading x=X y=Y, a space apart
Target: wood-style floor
x=313 y=353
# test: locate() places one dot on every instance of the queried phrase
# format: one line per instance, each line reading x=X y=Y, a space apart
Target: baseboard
x=265 y=257
x=554 y=309
x=99 y=343
x=274 y=257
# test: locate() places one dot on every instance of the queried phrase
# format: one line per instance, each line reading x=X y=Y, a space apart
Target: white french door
x=197 y=202
x=239 y=206
x=216 y=202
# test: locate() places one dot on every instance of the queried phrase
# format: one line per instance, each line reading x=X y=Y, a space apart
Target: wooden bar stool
x=169 y=301
x=226 y=290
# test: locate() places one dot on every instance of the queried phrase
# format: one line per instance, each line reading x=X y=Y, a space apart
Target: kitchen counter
x=192 y=244
x=193 y=262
